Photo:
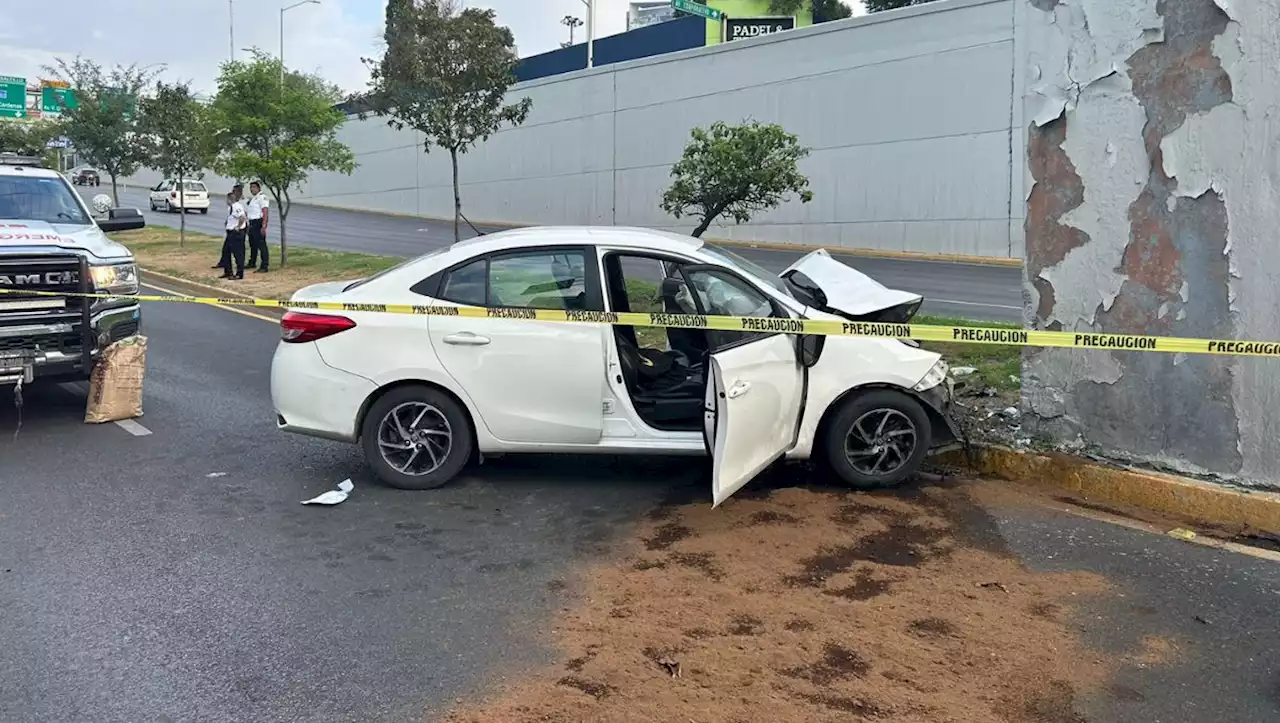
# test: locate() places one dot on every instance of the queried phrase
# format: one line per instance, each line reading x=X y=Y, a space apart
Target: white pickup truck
x=50 y=241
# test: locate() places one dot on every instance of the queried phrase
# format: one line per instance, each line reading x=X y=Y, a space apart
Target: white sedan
x=424 y=395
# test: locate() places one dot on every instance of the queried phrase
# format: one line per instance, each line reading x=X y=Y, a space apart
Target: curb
x=1185 y=499
x=773 y=246
x=189 y=282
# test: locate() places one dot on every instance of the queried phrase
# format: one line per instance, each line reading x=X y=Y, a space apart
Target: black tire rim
x=881 y=442
x=415 y=438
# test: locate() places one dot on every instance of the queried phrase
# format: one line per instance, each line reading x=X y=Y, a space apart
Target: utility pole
x=231 y=27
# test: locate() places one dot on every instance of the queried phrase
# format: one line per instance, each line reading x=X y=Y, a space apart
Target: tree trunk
x=115 y=193
x=285 y=204
x=706 y=221
x=457 y=196
x=182 y=212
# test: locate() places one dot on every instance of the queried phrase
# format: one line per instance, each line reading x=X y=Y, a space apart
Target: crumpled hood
x=849 y=291
x=16 y=234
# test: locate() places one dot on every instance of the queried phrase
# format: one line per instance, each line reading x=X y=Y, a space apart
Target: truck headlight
x=932 y=378
x=115 y=279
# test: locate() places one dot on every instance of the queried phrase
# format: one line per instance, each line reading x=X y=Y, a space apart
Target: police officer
x=257 y=210
x=224 y=261
x=237 y=223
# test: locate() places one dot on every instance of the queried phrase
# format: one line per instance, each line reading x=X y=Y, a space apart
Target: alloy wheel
x=415 y=438
x=880 y=442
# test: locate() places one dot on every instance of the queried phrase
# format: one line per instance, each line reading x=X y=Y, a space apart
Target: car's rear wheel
x=416 y=438
x=877 y=439
x=204 y=210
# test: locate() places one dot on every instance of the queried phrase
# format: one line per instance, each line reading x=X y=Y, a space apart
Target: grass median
x=157 y=249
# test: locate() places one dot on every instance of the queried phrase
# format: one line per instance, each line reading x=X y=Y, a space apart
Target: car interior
x=664 y=369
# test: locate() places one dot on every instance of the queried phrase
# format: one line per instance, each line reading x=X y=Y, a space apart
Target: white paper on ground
x=332 y=497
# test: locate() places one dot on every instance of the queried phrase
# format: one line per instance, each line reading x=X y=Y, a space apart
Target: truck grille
x=51 y=329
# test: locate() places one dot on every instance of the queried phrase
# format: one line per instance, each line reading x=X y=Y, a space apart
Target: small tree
x=875 y=6
x=277 y=134
x=823 y=10
x=735 y=171
x=446 y=73
x=103 y=126
x=29 y=138
x=175 y=125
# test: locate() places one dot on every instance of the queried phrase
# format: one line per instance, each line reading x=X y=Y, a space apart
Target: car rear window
x=194 y=186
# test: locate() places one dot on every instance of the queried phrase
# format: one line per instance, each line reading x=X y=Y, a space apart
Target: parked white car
x=424 y=394
x=194 y=196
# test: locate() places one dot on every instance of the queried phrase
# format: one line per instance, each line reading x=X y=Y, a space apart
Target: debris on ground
x=1182 y=534
x=115 y=385
x=819 y=607
x=332 y=497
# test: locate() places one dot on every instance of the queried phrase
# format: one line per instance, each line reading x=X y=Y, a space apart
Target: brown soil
x=814 y=606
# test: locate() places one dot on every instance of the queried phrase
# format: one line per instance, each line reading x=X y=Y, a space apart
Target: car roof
x=617 y=236
x=12 y=170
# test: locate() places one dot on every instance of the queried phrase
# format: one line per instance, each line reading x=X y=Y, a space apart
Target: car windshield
x=35 y=198
x=746 y=267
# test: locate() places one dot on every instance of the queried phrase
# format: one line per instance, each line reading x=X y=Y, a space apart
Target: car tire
x=866 y=458
x=204 y=210
x=440 y=414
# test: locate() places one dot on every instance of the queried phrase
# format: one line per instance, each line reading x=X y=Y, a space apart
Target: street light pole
x=591 y=32
x=231 y=27
x=300 y=2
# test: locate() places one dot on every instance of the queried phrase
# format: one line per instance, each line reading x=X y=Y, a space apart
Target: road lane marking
x=133 y=428
x=970 y=303
x=74 y=388
x=232 y=309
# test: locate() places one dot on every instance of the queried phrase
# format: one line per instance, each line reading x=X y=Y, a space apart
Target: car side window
x=466 y=285
x=720 y=293
x=539 y=280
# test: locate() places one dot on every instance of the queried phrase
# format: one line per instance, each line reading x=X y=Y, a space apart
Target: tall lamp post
x=591 y=32
x=282 y=11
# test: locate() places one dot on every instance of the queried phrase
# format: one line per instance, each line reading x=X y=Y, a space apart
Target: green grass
x=997 y=365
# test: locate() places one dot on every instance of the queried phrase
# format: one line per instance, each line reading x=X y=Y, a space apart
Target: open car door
x=755 y=393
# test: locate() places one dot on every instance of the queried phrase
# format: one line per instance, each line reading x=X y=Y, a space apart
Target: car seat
x=676 y=299
x=663 y=388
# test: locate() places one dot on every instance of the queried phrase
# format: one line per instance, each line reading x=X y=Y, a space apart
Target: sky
x=190 y=37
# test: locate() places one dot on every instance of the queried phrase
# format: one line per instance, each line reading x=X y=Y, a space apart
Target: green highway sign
x=693 y=8
x=54 y=100
x=13 y=97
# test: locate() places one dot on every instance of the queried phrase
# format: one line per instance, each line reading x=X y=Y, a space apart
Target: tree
x=735 y=171
x=276 y=133
x=103 y=125
x=29 y=138
x=175 y=125
x=875 y=6
x=446 y=73
x=823 y=10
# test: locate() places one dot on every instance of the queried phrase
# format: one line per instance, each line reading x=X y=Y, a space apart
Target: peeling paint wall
x=1152 y=164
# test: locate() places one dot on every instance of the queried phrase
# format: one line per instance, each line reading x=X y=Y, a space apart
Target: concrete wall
x=1153 y=210
x=909 y=114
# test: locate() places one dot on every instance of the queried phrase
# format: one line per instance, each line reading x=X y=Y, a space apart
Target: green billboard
x=54 y=100
x=13 y=97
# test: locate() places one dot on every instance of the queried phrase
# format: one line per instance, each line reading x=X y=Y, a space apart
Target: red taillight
x=296 y=328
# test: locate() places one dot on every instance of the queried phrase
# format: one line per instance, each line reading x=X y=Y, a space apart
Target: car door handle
x=466 y=338
x=738 y=389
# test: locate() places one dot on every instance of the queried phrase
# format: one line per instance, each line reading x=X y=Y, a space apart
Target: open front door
x=754 y=396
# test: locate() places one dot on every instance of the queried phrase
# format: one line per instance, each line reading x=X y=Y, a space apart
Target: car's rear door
x=532 y=382
x=755 y=384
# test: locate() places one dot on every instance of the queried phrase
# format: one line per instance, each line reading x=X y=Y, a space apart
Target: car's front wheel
x=877 y=438
x=416 y=438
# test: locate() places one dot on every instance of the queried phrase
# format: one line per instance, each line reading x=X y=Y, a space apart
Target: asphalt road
x=164 y=570
x=951 y=289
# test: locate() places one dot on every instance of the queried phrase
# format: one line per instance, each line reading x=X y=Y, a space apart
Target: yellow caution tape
x=877 y=330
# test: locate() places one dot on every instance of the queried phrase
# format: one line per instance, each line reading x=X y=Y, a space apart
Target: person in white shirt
x=257 y=211
x=237 y=222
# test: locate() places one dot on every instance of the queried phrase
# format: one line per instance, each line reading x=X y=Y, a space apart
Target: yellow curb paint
x=180 y=280
x=1186 y=499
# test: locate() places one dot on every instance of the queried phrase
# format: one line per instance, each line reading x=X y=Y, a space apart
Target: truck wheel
x=204 y=211
x=877 y=439
x=416 y=438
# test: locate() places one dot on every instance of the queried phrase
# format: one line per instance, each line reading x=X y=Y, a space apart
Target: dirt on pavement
x=814 y=606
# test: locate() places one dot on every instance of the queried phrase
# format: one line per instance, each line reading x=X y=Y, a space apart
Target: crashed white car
x=423 y=395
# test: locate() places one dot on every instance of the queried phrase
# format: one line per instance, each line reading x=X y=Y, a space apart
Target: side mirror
x=809 y=348
x=122 y=219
